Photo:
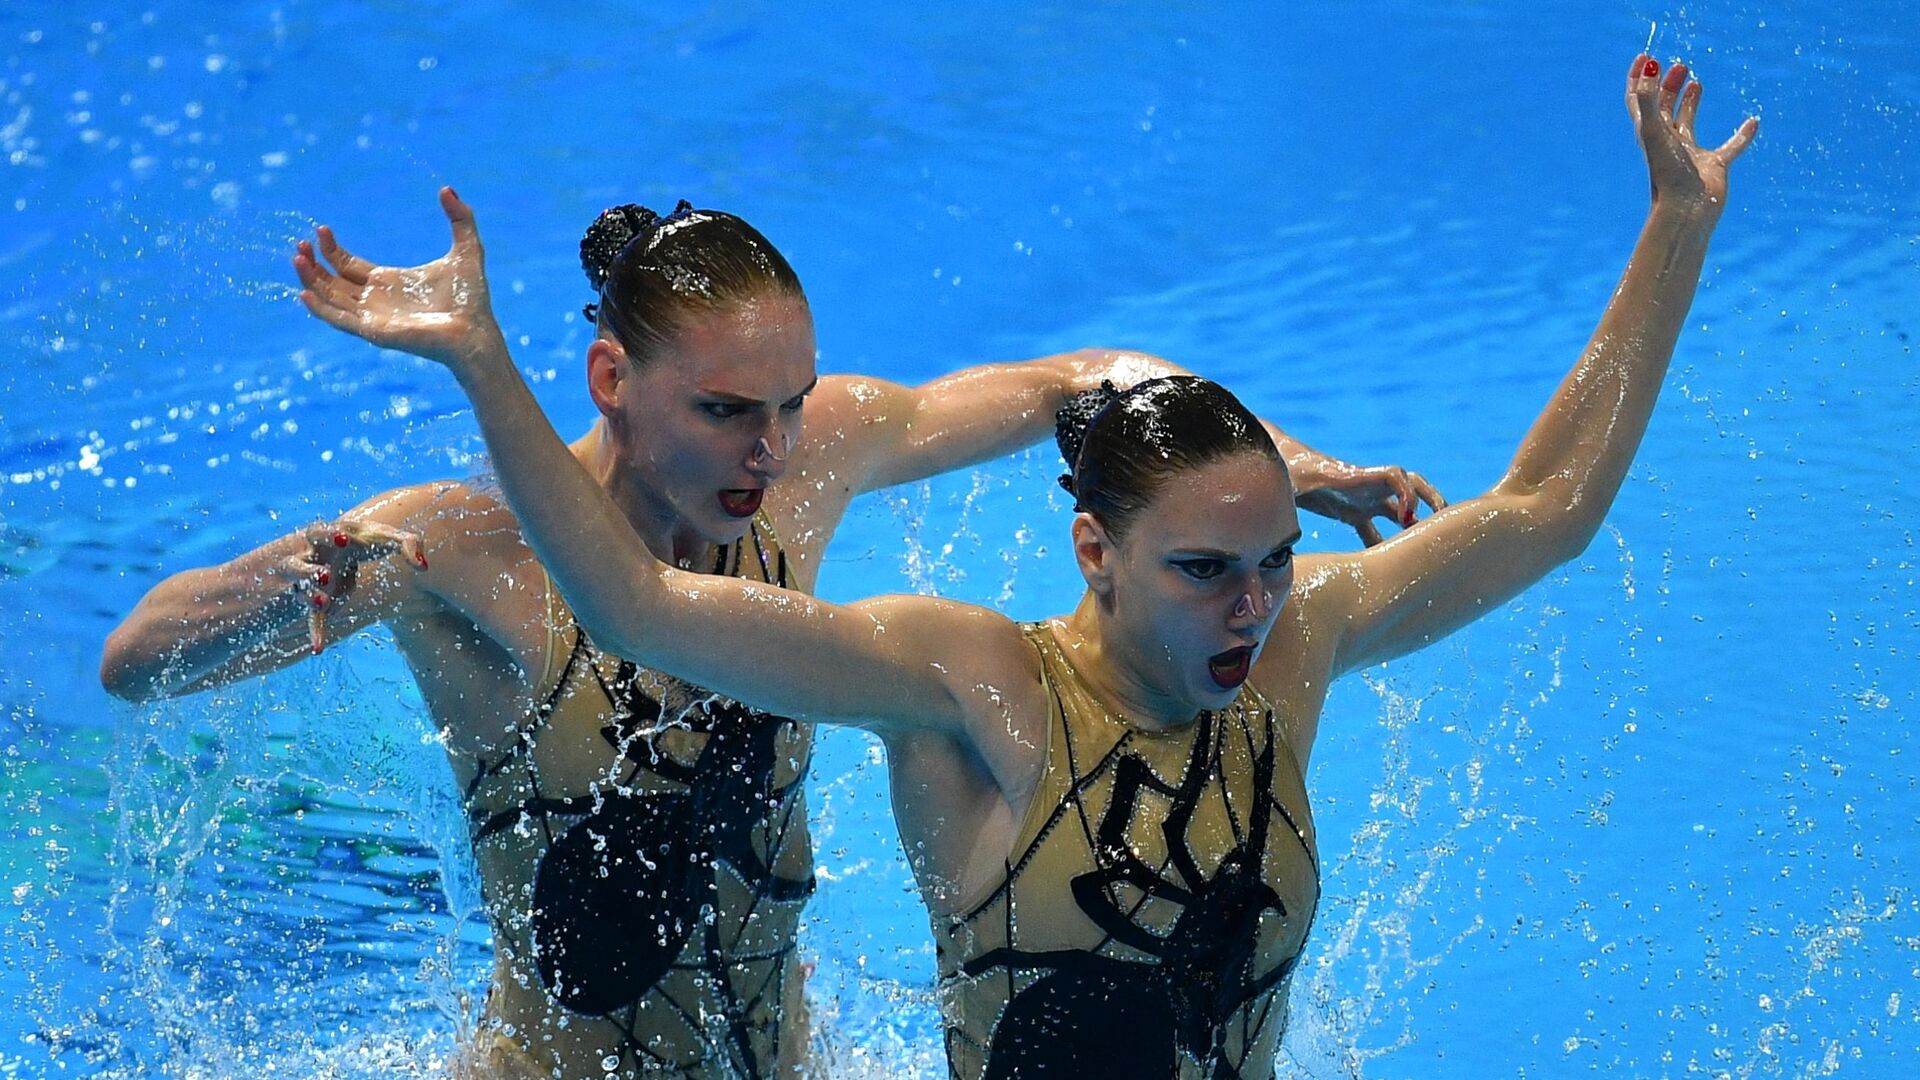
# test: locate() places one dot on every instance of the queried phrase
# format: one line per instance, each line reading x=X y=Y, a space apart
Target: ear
x=606 y=375
x=1093 y=550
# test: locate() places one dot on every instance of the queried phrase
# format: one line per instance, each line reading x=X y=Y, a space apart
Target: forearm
x=568 y=519
x=1577 y=453
x=195 y=623
x=1309 y=468
x=1088 y=368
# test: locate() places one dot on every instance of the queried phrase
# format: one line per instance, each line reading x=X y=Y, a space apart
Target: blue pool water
x=1654 y=818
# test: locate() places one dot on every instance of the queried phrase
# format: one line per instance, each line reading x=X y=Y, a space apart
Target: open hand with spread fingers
x=1663 y=108
x=439 y=310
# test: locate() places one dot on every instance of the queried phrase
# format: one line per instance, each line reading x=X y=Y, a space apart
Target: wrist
x=1696 y=215
x=483 y=357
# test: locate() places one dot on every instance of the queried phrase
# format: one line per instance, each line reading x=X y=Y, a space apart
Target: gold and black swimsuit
x=647 y=858
x=1157 y=898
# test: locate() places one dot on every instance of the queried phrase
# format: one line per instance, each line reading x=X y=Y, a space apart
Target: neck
x=1112 y=671
x=652 y=517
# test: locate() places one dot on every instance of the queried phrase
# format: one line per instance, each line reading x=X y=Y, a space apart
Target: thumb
x=466 y=235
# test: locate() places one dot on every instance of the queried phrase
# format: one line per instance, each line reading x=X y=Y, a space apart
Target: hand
x=326 y=574
x=440 y=310
x=1683 y=174
x=1358 y=494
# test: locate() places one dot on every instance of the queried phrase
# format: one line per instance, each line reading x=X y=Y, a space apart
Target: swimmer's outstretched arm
x=873 y=433
x=1476 y=554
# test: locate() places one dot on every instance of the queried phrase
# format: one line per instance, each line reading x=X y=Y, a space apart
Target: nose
x=1253 y=605
x=764 y=459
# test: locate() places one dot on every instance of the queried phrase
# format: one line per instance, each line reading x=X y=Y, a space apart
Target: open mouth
x=741 y=502
x=1229 y=669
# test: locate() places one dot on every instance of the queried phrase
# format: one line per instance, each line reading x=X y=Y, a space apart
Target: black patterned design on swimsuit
x=655 y=906
x=1153 y=914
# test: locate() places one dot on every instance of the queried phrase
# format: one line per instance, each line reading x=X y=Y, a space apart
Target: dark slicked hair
x=655 y=274
x=1123 y=446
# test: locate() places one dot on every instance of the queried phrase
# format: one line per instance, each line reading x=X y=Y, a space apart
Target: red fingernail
x=319 y=599
x=1406 y=517
x=421 y=559
x=341 y=539
x=1652 y=69
x=322 y=579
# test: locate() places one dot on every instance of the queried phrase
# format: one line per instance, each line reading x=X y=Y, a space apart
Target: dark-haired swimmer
x=1105 y=810
x=643 y=843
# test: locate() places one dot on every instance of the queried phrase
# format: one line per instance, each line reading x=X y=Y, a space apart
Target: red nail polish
x=319 y=599
x=1652 y=69
x=422 y=560
x=341 y=539
x=323 y=579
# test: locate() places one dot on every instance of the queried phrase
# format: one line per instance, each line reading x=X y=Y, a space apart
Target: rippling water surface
x=1653 y=818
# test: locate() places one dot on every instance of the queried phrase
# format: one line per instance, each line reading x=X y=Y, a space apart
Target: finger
x=1643 y=95
x=345 y=263
x=379 y=539
x=328 y=288
x=325 y=538
x=1403 y=497
x=1742 y=138
x=307 y=268
x=1369 y=534
x=1428 y=493
x=333 y=315
x=466 y=234
x=1670 y=87
x=1636 y=74
x=1689 y=105
x=317 y=629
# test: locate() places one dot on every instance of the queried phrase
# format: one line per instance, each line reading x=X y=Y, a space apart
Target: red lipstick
x=1229 y=669
x=741 y=502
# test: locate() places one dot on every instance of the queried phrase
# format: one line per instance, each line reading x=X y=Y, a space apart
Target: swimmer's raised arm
x=896 y=663
x=1476 y=554
x=893 y=663
x=873 y=433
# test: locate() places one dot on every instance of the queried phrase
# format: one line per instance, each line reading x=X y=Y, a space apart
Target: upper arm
x=1440 y=575
x=887 y=433
x=894 y=663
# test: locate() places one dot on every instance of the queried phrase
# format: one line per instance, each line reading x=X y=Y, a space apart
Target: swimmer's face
x=1201 y=574
x=716 y=413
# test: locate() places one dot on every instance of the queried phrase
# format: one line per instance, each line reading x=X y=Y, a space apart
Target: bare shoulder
x=452 y=517
x=846 y=414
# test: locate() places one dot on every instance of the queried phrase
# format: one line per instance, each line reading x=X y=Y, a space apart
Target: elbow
x=123 y=672
x=1560 y=523
x=118 y=676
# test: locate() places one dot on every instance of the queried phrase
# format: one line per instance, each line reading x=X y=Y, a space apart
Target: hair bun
x=613 y=230
x=1071 y=422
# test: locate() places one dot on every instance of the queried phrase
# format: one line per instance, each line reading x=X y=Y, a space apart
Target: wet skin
x=1191 y=589
x=683 y=453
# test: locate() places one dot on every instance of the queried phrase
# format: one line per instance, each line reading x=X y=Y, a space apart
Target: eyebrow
x=741 y=399
x=1228 y=556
